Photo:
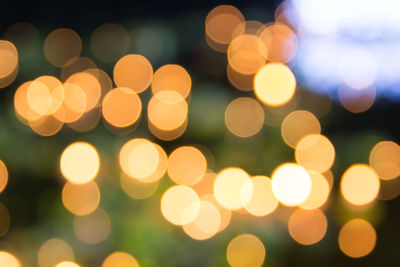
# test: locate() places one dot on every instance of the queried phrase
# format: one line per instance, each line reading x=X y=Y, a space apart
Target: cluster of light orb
x=201 y=201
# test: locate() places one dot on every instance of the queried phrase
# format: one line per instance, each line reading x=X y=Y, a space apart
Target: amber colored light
x=281 y=42
x=74 y=65
x=274 y=84
x=206 y=224
x=247 y=54
x=262 y=201
x=172 y=77
x=225 y=214
x=220 y=24
x=81 y=199
x=67 y=264
x=137 y=189
x=245 y=250
x=79 y=162
x=139 y=158
x=360 y=184
x=186 y=165
x=297 y=125
x=385 y=160
x=133 y=71
x=120 y=259
x=54 y=251
x=167 y=110
x=315 y=152
x=61 y=45
x=244 y=117
x=93 y=228
x=307 y=227
x=319 y=192
x=180 y=205
x=3 y=176
x=357 y=238
x=8 y=58
x=228 y=188
x=8 y=260
x=121 y=107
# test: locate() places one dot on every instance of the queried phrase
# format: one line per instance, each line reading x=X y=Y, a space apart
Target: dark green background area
x=33 y=195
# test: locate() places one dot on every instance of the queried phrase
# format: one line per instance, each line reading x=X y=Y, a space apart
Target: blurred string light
x=341 y=43
x=9 y=260
x=54 y=251
x=245 y=250
x=201 y=202
x=120 y=258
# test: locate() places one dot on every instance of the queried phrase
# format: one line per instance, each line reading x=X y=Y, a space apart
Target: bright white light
x=355 y=42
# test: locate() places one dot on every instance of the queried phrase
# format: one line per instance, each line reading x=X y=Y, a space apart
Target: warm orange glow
x=109 y=42
x=247 y=54
x=221 y=22
x=81 y=199
x=121 y=107
x=75 y=97
x=79 y=163
x=87 y=122
x=3 y=176
x=244 y=117
x=225 y=214
x=206 y=184
x=297 y=125
x=356 y=100
x=241 y=81
x=180 y=205
x=245 y=250
x=307 y=227
x=167 y=135
x=8 y=58
x=54 y=251
x=21 y=105
x=228 y=188
x=281 y=42
x=90 y=86
x=137 y=189
x=133 y=71
x=167 y=110
x=61 y=45
x=172 y=77
x=274 y=84
x=319 y=192
x=207 y=223
x=291 y=184
x=67 y=264
x=46 y=126
x=45 y=95
x=315 y=152
x=8 y=260
x=186 y=165
x=357 y=238
x=385 y=160
x=359 y=184
x=74 y=65
x=139 y=158
x=104 y=80
x=120 y=259
x=93 y=228
x=262 y=201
